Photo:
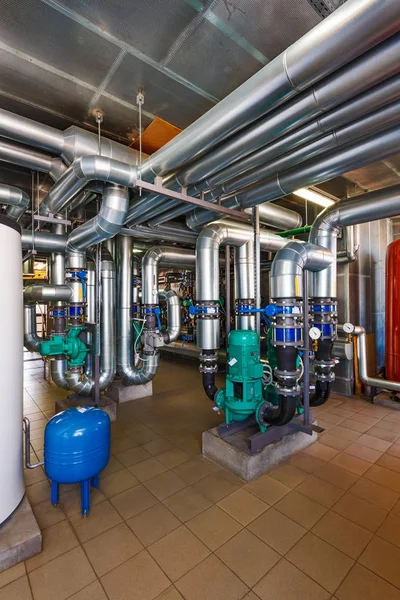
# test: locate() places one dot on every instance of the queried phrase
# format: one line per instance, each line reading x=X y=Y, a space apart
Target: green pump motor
x=243 y=392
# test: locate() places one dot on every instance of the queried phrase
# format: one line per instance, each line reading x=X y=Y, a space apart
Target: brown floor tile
x=251 y=596
x=46 y=514
x=390 y=529
x=277 y=530
x=288 y=475
x=375 y=411
x=389 y=426
x=382 y=558
x=56 y=575
x=57 y=540
x=218 y=485
x=187 y=503
x=132 y=456
x=375 y=493
x=170 y=594
x=147 y=469
x=32 y=476
x=17 y=590
x=356 y=425
x=301 y=509
x=140 y=433
x=211 y=579
x=318 y=450
x=342 y=411
x=102 y=517
x=384 y=477
x=165 y=484
x=367 y=419
x=363 y=452
x=214 y=527
x=396 y=508
x=351 y=463
x=346 y=434
x=267 y=489
x=333 y=441
x=153 y=524
x=362 y=584
x=139 y=578
x=343 y=534
x=111 y=548
x=331 y=418
x=94 y=591
x=243 y=506
x=121 y=443
x=196 y=469
x=178 y=552
x=389 y=462
x=158 y=446
x=320 y=561
x=325 y=425
x=373 y=442
x=173 y=458
x=394 y=450
x=12 y=574
x=336 y=476
x=70 y=499
x=306 y=463
x=133 y=501
x=118 y=482
x=286 y=582
x=383 y=434
x=38 y=492
x=359 y=511
x=319 y=490
x=248 y=557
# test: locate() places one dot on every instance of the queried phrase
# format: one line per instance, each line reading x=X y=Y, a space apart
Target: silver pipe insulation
x=31 y=159
x=84 y=383
x=153 y=260
x=16 y=200
x=244 y=283
x=173 y=314
x=348 y=32
x=43 y=241
x=31 y=337
x=47 y=293
x=356 y=77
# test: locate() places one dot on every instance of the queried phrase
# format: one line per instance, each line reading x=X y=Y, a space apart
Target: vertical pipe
x=306 y=353
x=257 y=265
x=227 y=292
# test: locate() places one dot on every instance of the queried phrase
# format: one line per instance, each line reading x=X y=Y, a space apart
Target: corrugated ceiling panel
x=33 y=84
x=164 y=97
x=213 y=62
x=149 y=25
x=374 y=177
x=34 y=28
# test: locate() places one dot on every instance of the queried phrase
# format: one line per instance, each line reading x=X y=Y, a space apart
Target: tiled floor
x=168 y=524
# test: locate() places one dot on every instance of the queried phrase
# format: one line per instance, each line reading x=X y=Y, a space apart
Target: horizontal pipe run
x=43 y=241
x=47 y=293
x=376 y=382
x=31 y=159
x=17 y=200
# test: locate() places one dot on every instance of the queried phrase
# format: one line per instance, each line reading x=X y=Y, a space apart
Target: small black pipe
x=209 y=385
x=284 y=413
x=321 y=394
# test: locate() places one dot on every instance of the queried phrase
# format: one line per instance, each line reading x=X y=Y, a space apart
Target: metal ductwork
x=28 y=158
x=31 y=337
x=173 y=314
x=47 y=293
x=43 y=241
x=16 y=200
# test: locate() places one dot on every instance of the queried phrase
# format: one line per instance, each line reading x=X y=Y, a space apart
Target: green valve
x=70 y=346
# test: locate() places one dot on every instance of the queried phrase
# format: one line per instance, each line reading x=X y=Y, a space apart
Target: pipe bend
x=58 y=368
x=173 y=315
x=31 y=339
x=144 y=373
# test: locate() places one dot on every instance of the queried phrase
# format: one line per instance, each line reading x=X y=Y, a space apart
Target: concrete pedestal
x=20 y=536
x=232 y=452
x=124 y=393
x=109 y=406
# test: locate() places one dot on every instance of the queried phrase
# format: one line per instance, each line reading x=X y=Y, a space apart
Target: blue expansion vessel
x=76 y=449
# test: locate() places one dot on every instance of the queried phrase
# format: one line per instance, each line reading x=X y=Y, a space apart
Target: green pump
x=70 y=346
x=244 y=389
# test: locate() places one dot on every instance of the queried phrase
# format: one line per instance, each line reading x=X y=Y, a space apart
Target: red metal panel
x=392 y=351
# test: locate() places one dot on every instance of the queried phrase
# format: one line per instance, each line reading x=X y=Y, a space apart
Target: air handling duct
x=43 y=241
x=31 y=159
x=368 y=70
x=47 y=293
x=352 y=29
x=16 y=200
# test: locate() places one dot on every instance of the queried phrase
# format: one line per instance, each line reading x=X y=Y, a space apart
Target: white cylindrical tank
x=12 y=486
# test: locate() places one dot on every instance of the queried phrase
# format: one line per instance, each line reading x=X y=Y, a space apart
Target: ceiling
x=60 y=60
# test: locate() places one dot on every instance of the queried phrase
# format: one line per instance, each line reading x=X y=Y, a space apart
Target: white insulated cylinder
x=12 y=486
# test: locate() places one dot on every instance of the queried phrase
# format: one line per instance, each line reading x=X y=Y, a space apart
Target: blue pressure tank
x=76 y=449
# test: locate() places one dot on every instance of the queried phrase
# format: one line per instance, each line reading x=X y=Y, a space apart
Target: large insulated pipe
x=81 y=171
x=31 y=159
x=348 y=32
x=157 y=257
x=43 y=241
x=287 y=293
x=173 y=314
x=106 y=224
x=16 y=200
x=244 y=284
x=83 y=383
x=31 y=337
x=47 y=293
x=353 y=79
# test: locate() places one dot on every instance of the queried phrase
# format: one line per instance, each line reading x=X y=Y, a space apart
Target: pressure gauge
x=314 y=333
x=348 y=327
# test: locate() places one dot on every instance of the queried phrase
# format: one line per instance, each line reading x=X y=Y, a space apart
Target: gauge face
x=348 y=327
x=314 y=333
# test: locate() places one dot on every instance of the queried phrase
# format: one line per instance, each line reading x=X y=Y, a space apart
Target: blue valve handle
x=203 y=310
x=154 y=311
x=245 y=309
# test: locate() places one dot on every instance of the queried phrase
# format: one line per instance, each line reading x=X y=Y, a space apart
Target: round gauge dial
x=348 y=327
x=314 y=333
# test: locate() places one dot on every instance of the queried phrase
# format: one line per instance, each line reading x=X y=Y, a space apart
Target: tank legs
x=54 y=493
x=85 y=497
x=95 y=481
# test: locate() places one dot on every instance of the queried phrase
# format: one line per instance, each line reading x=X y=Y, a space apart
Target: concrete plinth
x=108 y=405
x=232 y=452
x=124 y=393
x=20 y=536
x=387 y=400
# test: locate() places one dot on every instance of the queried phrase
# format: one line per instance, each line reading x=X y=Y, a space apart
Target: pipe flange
x=328 y=377
x=285 y=391
x=208 y=357
x=208 y=368
x=324 y=364
x=287 y=374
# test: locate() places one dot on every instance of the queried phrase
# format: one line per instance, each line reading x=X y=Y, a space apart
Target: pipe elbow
x=78 y=383
x=58 y=367
x=142 y=374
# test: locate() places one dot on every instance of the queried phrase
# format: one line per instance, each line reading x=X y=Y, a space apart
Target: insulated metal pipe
x=31 y=159
x=16 y=200
x=348 y=32
x=43 y=241
x=83 y=383
x=173 y=314
x=376 y=382
x=244 y=283
x=153 y=260
x=31 y=337
x=47 y=293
